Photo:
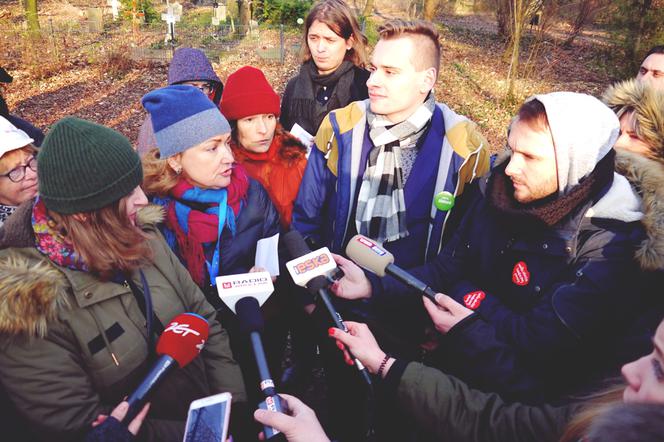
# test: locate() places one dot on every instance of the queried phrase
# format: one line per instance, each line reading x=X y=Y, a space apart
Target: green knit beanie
x=83 y=167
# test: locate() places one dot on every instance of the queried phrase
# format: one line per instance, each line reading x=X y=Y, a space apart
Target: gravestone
x=95 y=20
x=114 y=7
x=218 y=14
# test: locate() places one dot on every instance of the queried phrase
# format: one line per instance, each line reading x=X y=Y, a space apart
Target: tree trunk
x=244 y=13
x=502 y=18
x=31 y=15
x=368 y=8
x=430 y=7
x=585 y=14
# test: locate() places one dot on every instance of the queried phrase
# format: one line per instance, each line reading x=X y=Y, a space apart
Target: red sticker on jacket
x=473 y=299
x=520 y=274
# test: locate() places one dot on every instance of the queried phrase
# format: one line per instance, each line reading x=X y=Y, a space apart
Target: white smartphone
x=208 y=418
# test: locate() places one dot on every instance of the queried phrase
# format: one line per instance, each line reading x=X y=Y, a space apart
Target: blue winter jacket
x=451 y=154
x=550 y=305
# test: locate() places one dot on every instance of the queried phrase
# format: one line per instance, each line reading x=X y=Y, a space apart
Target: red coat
x=279 y=170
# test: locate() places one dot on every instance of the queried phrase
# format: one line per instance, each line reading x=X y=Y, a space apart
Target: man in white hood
x=540 y=279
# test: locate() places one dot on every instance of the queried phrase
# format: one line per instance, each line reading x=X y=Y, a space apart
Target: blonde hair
x=8 y=160
x=158 y=176
x=106 y=240
x=597 y=405
x=426 y=40
x=337 y=15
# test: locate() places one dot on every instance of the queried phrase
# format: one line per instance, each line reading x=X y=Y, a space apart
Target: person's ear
x=350 y=42
x=175 y=163
x=428 y=80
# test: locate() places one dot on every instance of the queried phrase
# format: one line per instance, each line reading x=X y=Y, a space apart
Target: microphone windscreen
x=249 y=315
x=295 y=244
x=368 y=254
x=184 y=338
x=317 y=283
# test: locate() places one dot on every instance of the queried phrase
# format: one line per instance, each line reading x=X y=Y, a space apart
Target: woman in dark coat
x=215 y=214
x=332 y=74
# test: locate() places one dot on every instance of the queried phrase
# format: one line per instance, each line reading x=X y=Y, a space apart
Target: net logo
x=226 y=285
x=181 y=329
x=311 y=264
x=374 y=248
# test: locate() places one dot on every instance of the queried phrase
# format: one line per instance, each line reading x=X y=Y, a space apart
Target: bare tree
x=31 y=15
x=368 y=8
x=520 y=13
x=587 y=9
x=430 y=7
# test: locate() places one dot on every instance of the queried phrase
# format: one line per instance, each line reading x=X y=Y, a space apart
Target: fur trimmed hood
x=647 y=177
x=33 y=289
x=648 y=105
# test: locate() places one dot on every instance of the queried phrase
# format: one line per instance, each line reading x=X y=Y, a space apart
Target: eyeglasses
x=206 y=88
x=17 y=174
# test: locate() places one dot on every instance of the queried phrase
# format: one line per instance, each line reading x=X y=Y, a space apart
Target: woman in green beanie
x=83 y=273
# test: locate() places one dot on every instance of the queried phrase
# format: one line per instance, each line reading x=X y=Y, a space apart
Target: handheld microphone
x=251 y=322
x=182 y=340
x=310 y=269
x=368 y=254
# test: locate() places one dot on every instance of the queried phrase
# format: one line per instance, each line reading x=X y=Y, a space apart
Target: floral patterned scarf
x=51 y=243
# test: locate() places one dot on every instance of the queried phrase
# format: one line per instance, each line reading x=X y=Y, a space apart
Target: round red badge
x=520 y=274
x=474 y=299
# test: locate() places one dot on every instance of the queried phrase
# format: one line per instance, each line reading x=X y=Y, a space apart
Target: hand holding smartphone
x=208 y=419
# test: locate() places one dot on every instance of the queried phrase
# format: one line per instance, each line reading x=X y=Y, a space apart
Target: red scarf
x=202 y=227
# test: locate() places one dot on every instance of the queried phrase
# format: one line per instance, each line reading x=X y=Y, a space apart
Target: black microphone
x=249 y=315
x=368 y=254
x=317 y=283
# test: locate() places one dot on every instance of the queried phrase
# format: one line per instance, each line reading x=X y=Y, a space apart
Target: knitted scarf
x=193 y=217
x=5 y=212
x=305 y=109
x=381 y=207
x=551 y=210
x=51 y=243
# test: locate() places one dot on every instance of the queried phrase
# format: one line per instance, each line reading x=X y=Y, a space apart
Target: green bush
x=282 y=11
x=144 y=6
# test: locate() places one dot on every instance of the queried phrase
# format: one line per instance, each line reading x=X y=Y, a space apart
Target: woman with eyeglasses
x=18 y=168
x=189 y=66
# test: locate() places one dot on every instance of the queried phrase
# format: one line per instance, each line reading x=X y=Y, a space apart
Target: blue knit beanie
x=189 y=64
x=182 y=117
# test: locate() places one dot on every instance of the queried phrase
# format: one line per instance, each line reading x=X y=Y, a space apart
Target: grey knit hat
x=182 y=117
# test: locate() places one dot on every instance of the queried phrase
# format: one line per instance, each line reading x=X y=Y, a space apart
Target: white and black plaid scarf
x=381 y=207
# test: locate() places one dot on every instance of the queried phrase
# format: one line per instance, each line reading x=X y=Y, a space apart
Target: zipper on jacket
x=456 y=191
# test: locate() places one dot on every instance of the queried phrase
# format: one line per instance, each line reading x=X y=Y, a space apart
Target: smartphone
x=208 y=418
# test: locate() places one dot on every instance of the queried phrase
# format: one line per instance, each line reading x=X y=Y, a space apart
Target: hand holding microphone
x=362 y=343
x=311 y=270
x=182 y=340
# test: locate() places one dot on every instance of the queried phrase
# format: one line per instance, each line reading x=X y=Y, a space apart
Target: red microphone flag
x=184 y=338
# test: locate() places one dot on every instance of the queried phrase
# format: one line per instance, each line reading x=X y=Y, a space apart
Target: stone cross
x=171 y=17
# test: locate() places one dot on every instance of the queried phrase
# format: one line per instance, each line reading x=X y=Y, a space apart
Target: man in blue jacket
x=378 y=164
x=540 y=279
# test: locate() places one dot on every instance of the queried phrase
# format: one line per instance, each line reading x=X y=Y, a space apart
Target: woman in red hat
x=271 y=156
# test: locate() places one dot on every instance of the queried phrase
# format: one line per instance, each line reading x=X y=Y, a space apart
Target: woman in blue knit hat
x=215 y=214
x=188 y=66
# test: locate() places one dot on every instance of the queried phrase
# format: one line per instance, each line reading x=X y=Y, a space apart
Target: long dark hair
x=341 y=20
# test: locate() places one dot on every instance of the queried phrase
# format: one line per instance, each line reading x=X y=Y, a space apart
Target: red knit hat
x=247 y=93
